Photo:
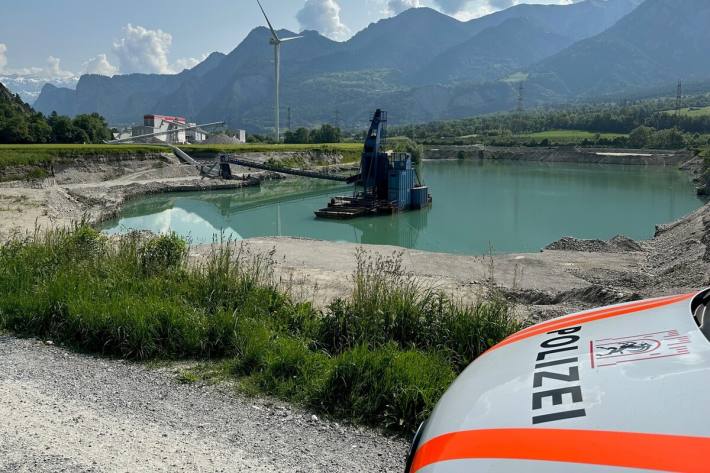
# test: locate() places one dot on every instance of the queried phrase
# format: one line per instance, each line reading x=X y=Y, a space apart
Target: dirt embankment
x=562 y=154
x=94 y=188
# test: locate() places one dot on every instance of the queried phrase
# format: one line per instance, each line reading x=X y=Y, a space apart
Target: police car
x=623 y=388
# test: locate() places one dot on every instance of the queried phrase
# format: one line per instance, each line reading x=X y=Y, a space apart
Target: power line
x=521 y=107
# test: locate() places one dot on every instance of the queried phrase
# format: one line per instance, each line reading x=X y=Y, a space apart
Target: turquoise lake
x=509 y=207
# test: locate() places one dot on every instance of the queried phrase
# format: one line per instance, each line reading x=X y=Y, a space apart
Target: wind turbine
x=275 y=41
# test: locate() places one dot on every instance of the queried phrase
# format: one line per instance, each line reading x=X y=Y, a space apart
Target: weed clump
x=390 y=305
x=383 y=356
x=162 y=253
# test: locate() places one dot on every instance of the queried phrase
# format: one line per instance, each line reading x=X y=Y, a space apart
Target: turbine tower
x=275 y=41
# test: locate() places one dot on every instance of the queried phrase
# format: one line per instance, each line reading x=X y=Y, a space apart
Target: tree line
x=652 y=122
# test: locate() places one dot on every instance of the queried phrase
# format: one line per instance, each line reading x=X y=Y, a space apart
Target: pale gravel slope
x=61 y=411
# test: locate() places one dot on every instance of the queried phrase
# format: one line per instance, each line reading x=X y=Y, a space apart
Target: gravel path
x=61 y=411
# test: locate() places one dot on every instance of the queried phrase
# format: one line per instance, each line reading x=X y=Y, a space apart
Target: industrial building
x=153 y=124
x=174 y=130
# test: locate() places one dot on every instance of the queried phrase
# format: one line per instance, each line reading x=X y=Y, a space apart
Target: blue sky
x=63 y=38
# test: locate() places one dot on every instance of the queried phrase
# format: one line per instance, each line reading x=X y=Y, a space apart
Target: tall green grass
x=383 y=356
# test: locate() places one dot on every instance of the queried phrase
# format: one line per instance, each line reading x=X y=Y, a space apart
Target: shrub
x=162 y=253
x=385 y=385
x=389 y=304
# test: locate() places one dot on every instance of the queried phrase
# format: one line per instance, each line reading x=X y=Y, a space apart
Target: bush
x=389 y=305
x=162 y=253
x=386 y=386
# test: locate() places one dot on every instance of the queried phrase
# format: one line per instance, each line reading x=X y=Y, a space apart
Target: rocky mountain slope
x=662 y=41
x=421 y=65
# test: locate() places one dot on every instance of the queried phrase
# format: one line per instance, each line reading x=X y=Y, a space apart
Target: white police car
x=622 y=388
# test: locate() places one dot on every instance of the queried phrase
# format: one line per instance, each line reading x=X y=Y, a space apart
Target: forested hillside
x=19 y=123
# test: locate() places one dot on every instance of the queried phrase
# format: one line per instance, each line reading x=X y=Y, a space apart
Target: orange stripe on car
x=599 y=310
x=590 y=316
x=618 y=449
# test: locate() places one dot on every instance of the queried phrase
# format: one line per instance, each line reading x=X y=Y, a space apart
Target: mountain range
x=421 y=65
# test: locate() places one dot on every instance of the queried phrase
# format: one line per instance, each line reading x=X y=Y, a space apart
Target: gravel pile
x=618 y=244
x=221 y=139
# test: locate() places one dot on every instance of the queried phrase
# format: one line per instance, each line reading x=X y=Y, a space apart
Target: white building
x=162 y=124
x=241 y=135
x=173 y=130
x=196 y=135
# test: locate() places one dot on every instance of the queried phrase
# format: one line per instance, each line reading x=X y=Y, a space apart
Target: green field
x=692 y=112
x=12 y=155
x=569 y=135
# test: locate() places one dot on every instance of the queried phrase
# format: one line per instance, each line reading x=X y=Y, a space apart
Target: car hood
x=602 y=388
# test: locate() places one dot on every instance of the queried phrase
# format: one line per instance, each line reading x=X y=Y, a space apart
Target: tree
x=640 y=137
x=326 y=134
x=668 y=139
x=300 y=136
x=19 y=123
x=64 y=131
x=94 y=126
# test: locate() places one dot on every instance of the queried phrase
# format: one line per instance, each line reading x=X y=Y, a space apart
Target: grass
x=382 y=356
x=691 y=112
x=12 y=155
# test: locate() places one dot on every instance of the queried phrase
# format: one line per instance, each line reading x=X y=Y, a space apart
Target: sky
x=61 y=39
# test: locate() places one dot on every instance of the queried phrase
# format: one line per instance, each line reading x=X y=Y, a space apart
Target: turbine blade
x=289 y=39
x=273 y=32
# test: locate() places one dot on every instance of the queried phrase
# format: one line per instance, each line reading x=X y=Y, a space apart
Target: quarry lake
x=509 y=207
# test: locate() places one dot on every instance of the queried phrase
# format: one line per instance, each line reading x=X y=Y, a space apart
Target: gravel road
x=65 y=412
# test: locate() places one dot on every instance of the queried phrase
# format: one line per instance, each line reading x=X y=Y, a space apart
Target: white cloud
x=100 y=65
x=395 y=7
x=143 y=50
x=502 y=4
x=469 y=9
x=3 y=56
x=187 y=63
x=54 y=69
x=147 y=51
x=324 y=17
x=28 y=81
x=52 y=72
x=452 y=6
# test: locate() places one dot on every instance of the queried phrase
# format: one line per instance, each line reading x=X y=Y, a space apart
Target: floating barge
x=388 y=180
